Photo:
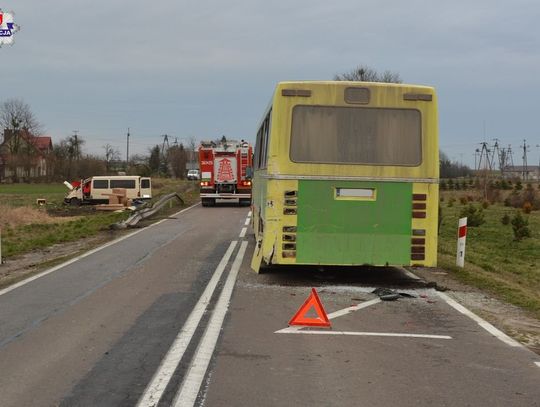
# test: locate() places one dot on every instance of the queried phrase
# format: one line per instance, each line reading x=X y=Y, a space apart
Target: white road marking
x=187 y=395
x=82 y=256
x=484 y=324
x=348 y=310
x=243 y=232
x=537 y=364
x=247 y=222
x=154 y=390
x=249 y=214
x=356 y=307
x=409 y=274
x=346 y=333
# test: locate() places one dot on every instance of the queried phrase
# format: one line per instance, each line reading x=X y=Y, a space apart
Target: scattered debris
x=386 y=294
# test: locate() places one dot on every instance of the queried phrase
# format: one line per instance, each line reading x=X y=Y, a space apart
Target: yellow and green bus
x=346 y=173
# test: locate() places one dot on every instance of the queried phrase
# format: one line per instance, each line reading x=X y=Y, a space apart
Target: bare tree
x=15 y=114
x=364 y=73
x=111 y=154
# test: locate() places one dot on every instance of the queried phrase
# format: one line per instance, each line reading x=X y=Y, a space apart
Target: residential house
x=23 y=155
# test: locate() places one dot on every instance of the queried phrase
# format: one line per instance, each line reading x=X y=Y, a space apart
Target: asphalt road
x=172 y=315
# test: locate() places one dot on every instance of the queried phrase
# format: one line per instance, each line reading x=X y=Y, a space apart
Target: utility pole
x=127 y=151
x=524 y=158
x=77 y=152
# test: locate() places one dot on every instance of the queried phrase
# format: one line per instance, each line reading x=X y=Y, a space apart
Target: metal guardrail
x=147 y=212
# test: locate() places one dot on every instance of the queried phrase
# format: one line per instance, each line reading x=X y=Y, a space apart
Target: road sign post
x=462 y=236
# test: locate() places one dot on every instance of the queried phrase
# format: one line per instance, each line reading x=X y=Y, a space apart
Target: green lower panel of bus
x=350 y=222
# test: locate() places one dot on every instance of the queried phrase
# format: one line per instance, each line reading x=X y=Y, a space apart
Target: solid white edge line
x=348 y=333
x=409 y=274
x=154 y=390
x=187 y=395
x=247 y=222
x=243 y=232
x=88 y=253
x=484 y=324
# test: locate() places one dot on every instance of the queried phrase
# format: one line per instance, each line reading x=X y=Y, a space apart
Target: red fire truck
x=226 y=170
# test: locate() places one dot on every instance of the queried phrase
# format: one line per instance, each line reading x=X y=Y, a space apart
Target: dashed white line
x=82 y=256
x=249 y=214
x=243 y=232
x=537 y=364
x=161 y=378
x=187 y=395
x=247 y=221
x=484 y=324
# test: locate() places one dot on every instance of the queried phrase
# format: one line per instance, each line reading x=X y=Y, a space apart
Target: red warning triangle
x=314 y=302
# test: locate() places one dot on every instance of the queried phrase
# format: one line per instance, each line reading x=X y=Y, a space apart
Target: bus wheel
x=75 y=202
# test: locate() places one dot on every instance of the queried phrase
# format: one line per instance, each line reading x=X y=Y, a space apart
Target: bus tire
x=75 y=202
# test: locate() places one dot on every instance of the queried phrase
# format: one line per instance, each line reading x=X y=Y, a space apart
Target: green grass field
x=494 y=260
x=26 y=194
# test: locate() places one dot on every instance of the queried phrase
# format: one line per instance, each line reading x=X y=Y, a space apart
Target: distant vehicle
x=93 y=190
x=346 y=173
x=226 y=169
x=193 y=175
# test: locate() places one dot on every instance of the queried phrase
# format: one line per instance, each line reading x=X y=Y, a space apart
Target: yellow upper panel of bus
x=393 y=101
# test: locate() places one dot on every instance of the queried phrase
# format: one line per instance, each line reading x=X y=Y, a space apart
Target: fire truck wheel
x=245 y=202
x=208 y=202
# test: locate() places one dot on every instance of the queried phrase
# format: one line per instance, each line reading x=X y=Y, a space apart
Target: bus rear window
x=100 y=184
x=346 y=135
x=123 y=183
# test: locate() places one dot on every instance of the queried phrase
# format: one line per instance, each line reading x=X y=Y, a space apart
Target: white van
x=95 y=189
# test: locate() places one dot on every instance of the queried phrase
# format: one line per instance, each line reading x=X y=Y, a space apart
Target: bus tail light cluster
x=418 y=241
x=246 y=183
x=288 y=246
x=290 y=207
x=205 y=183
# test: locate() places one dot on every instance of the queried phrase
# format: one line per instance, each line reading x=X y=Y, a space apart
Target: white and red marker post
x=462 y=236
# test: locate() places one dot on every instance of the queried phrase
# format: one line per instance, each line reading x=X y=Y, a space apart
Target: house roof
x=42 y=142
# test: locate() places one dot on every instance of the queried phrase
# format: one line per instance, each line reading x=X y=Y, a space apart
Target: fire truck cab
x=226 y=170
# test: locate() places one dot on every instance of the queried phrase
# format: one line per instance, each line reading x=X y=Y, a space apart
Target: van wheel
x=75 y=202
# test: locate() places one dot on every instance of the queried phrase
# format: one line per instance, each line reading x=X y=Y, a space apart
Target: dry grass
x=11 y=217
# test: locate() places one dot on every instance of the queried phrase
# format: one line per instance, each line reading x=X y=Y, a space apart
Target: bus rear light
x=204 y=183
x=289 y=238
x=288 y=255
x=246 y=183
x=290 y=202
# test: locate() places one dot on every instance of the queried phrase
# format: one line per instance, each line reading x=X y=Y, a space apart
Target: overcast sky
x=204 y=69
